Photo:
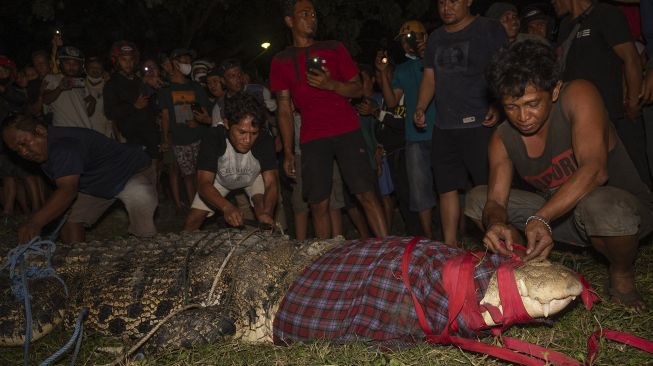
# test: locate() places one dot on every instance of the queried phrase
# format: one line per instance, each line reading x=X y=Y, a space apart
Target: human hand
x=492 y=117
x=633 y=110
x=202 y=116
x=366 y=107
x=265 y=218
x=421 y=46
x=539 y=239
x=289 y=165
x=65 y=84
x=28 y=231
x=90 y=99
x=499 y=238
x=381 y=61
x=320 y=78
x=153 y=80
x=232 y=215
x=646 y=95
x=141 y=101
x=419 y=118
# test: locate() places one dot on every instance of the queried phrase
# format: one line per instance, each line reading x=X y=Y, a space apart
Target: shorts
x=421 y=194
x=257 y=187
x=299 y=204
x=139 y=197
x=459 y=154
x=317 y=161
x=186 y=156
x=605 y=211
x=386 y=186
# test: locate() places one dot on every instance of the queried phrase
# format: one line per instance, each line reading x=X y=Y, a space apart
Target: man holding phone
x=65 y=92
x=403 y=85
x=321 y=77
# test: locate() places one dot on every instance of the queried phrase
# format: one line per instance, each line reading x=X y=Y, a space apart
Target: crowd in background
x=425 y=139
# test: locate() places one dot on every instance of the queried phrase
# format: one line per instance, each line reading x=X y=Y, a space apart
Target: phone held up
x=196 y=107
x=411 y=38
x=314 y=63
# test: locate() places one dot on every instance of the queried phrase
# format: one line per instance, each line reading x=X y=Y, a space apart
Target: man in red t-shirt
x=321 y=77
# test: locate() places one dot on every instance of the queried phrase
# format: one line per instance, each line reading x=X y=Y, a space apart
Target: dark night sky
x=94 y=25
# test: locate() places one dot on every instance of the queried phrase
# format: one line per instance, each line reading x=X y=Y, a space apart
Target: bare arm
x=495 y=213
x=265 y=208
x=165 y=128
x=57 y=204
x=49 y=96
x=321 y=79
x=390 y=96
x=287 y=129
x=212 y=196
x=426 y=93
x=633 y=76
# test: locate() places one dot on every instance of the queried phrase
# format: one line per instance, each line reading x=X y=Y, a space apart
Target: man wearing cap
x=182 y=102
x=65 y=92
x=507 y=15
x=127 y=101
x=321 y=77
x=405 y=85
x=454 y=65
x=535 y=21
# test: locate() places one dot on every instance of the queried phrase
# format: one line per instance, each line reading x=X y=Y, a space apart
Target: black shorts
x=317 y=165
x=459 y=154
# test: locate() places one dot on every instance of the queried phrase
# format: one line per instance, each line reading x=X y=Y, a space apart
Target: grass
x=568 y=333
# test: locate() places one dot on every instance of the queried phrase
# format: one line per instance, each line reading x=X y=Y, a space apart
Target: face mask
x=185 y=68
x=95 y=81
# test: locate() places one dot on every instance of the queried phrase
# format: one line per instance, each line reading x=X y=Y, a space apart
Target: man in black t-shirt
x=236 y=155
x=596 y=45
x=90 y=171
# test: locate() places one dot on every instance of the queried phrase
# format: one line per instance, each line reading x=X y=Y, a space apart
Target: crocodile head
x=545 y=289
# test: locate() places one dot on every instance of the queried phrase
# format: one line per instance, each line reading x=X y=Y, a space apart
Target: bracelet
x=540 y=219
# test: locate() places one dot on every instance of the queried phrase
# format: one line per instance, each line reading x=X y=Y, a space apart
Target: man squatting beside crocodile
x=560 y=140
x=90 y=171
x=238 y=154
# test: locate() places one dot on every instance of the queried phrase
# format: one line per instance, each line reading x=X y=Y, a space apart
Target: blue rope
x=75 y=338
x=17 y=257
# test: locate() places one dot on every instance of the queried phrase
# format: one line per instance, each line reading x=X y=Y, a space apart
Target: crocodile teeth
x=546 y=308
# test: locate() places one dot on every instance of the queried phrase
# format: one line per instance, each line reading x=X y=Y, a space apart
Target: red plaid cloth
x=355 y=292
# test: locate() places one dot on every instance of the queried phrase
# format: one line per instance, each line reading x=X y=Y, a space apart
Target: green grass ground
x=568 y=333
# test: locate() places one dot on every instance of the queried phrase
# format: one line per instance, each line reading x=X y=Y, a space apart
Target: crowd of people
x=522 y=120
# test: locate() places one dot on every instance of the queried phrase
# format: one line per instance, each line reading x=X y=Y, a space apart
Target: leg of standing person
x=422 y=198
x=317 y=176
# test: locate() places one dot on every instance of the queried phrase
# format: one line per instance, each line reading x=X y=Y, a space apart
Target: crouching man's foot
x=621 y=290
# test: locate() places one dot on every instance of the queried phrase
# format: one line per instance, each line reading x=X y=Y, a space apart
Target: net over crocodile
x=264 y=287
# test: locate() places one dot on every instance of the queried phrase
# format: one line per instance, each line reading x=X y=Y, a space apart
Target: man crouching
x=237 y=155
x=562 y=143
x=90 y=171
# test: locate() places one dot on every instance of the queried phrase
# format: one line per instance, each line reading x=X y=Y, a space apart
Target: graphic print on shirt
x=236 y=170
x=453 y=57
x=182 y=100
x=561 y=169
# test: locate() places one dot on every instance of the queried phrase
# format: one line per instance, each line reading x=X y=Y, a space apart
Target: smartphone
x=314 y=62
x=196 y=107
x=411 y=38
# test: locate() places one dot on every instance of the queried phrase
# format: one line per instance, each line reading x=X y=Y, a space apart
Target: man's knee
x=608 y=211
x=475 y=202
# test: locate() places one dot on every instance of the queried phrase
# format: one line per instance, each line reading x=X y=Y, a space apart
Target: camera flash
x=384 y=60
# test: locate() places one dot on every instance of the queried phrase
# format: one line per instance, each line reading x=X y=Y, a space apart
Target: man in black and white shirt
x=237 y=155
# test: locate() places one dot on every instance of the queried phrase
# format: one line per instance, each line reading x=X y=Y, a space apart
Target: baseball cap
x=228 y=64
x=531 y=13
x=410 y=26
x=498 y=9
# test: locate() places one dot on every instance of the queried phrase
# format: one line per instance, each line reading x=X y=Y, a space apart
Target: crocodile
x=234 y=281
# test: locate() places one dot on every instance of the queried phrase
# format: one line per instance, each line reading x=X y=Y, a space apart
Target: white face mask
x=185 y=68
x=95 y=81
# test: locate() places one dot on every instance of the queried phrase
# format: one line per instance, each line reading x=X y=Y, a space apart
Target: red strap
x=588 y=295
x=457 y=302
x=514 y=311
x=629 y=339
